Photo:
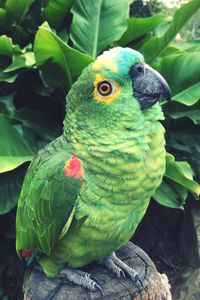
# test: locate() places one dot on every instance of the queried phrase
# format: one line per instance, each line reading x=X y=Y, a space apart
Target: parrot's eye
x=104 y=88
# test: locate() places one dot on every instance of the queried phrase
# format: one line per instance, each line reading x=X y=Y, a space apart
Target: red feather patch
x=26 y=253
x=74 y=168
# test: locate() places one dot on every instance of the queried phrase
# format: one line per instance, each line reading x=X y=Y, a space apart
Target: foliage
x=44 y=45
x=146 y=8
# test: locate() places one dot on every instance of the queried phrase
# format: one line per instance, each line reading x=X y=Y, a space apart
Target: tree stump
x=156 y=286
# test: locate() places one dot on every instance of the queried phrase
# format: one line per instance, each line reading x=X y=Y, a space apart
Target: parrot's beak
x=148 y=85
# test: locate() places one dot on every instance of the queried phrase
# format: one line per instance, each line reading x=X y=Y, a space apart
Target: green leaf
x=6 y=46
x=179 y=173
x=138 y=27
x=17 y=144
x=6 y=105
x=194 y=115
x=178 y=111
x=182 y=72
x=97 y=24
x=10 y=186
x=38 y=121
x=55 y=11
x=161 y=29
x=26 y=60
x=17 y=10
x=186 y=143
x=188 y=45
x=167 y=196
x=181 y=191
x=49 y=47
x=15 y=59
x=170 y=50
x=188 y=96
x=2 y=16
x=155 y=45
x=9 y=77
x=186 y=169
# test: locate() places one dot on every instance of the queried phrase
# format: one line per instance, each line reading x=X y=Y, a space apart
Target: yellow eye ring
x=104 y=88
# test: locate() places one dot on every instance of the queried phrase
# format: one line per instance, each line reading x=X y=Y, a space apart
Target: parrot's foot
x=119 y=268
x=80 y=278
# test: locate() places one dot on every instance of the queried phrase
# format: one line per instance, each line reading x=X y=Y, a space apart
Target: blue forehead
x=126 y=58
x=116 y=62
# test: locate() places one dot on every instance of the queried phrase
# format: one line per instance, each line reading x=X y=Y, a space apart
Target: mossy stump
x=156 y=286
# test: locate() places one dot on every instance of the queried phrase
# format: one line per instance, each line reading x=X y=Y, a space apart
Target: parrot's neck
x=131 y=139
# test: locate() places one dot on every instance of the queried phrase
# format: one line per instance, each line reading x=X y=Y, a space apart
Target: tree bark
x=156 y=286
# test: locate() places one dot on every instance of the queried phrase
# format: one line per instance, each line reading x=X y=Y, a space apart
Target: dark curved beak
x=148 y=85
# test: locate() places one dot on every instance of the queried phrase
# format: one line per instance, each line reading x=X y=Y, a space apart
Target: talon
x=81 y=278
x=119 y=268
x=137 y=278
x=98 y=288
x=122 y=275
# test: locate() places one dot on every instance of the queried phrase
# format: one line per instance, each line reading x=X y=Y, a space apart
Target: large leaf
x=181 y=174
x=18 y=9
x=13 y=60
x=97 y=24
x=179 y=110
x=194 y=115
x=6 y=46
x=188 y=96
x=9 y=77
x=10 y=186
x=6 y=105
x=25 y=60
x=182 y=72
x=138 y=27
x=186 y=143
x=190 y=45
x=55 y=11
x=155 y=45
x=39 y=122
x=173 y=191
x=49 y=47
x=17 y=144
x=167 y=196
x=2 y=17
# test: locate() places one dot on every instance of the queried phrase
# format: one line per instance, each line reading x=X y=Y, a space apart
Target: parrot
x=85 y=193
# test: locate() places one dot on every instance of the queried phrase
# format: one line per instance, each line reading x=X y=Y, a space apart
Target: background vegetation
x=44 y=45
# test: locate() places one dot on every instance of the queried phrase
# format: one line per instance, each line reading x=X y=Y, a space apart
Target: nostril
x=139 y=69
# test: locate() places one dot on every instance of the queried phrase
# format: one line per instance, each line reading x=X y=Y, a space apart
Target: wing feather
x=45 y=207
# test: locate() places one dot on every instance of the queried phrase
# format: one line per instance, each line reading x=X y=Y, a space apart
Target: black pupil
x=104 y=87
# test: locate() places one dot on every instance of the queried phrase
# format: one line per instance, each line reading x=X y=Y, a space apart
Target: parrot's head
x=114 y=94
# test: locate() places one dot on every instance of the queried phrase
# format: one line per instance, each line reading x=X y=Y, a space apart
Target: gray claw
x=137 y=278
x=118 y=267
x=122 y=275
x=81 y=278
x=98 y=288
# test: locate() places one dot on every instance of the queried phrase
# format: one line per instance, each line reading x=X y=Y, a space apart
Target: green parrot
x=85 y=193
